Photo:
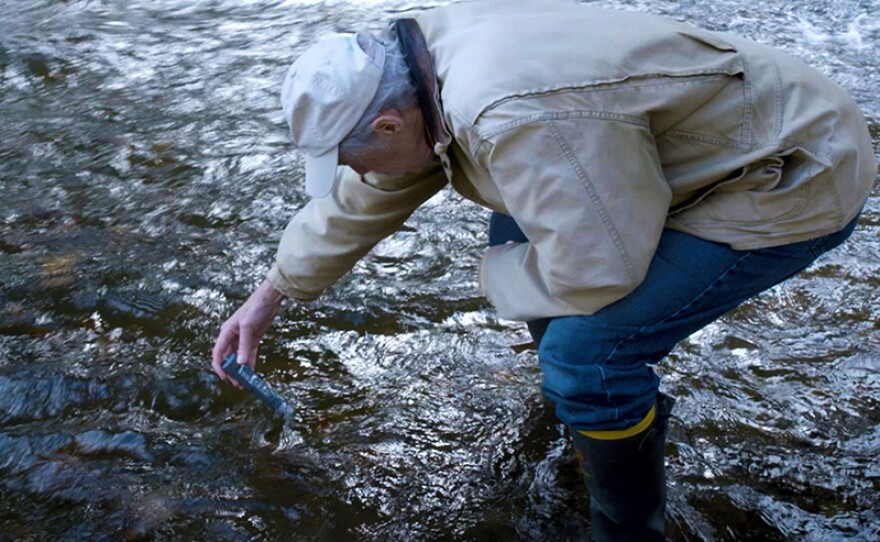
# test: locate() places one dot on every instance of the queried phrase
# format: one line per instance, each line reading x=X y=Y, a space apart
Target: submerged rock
x=24 y=399
x=37 y=64
x=142 y=306
x=127 y=443
x=52 y=465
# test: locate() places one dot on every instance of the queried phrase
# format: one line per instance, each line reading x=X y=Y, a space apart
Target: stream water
x=146 y=178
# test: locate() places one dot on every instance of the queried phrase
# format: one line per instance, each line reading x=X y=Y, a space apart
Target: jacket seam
x=563 y=115
x=662 y=81
x=594 y=198
x=714 y=140
x=746 y=130
x=639 y=82
x=777 y=87
x=830 y=158
x=837 y=203
x=593 y=85
x=473 y=138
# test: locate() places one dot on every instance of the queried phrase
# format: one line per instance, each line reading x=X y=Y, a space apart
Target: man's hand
x=245 y=329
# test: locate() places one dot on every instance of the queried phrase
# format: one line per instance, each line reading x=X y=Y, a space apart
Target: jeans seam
x=689 y=304
x=607 y=391
x=635 y=333
x=673 y=263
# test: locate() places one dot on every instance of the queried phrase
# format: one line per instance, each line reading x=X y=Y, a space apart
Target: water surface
x=146 y=178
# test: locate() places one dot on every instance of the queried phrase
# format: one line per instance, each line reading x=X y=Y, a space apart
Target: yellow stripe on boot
x=619 y=434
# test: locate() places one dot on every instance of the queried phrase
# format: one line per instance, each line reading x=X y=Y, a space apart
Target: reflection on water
x=146 y=180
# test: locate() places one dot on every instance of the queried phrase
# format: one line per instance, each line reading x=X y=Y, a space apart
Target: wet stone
x=177 y=399
x=128 y=443
x=29 y=399
x=16 y=454
x=9 y=248
x=150 y=313
x=37 y=64
x=39 y=216
x=139 y=306
x=84 y=299
x=16 y=321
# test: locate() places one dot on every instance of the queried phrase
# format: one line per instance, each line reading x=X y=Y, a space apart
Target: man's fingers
x=245 y=342
x=243 y=332
x=217 y=360
x=222 y=348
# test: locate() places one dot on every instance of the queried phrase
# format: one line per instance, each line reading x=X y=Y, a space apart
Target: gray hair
x=396 y=91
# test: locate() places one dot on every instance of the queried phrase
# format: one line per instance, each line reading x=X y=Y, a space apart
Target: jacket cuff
x=276 y=278
x=513 y=291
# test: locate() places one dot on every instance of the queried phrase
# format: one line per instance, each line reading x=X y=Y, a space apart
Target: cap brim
x=321 y=173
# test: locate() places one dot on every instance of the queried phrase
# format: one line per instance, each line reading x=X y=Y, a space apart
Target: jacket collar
x=421 y=67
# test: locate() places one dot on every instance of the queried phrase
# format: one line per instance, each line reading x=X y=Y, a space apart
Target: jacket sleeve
x=590 y=195
x=328 y=236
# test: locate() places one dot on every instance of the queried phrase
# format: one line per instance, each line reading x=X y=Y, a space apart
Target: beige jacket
x=596 y=130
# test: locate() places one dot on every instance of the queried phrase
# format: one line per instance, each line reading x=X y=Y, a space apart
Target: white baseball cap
x=325 y=93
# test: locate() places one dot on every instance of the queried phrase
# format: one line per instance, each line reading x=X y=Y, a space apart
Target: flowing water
x=146 y=178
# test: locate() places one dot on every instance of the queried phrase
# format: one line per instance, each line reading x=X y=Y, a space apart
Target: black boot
x=626 y=478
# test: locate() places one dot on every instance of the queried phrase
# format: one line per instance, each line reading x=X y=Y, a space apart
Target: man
x=645 y=177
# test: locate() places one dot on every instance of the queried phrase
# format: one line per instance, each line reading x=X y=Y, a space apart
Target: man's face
x=391 y=160
x=402 y=146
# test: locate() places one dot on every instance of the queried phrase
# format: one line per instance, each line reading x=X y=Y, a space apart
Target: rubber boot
x=626 y=477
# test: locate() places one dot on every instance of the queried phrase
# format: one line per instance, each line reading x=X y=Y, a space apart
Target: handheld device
x=252 y=382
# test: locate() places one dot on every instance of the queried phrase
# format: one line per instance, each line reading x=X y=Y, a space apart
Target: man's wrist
x=269 y=293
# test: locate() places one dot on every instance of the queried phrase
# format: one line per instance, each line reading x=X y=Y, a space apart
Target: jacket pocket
x=762 y=176
x=774 y=189
x=712 y=40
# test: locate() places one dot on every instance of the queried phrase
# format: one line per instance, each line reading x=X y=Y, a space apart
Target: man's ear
x=389 y=122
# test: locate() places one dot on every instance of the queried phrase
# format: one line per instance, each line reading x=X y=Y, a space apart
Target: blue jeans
x=598 y=368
